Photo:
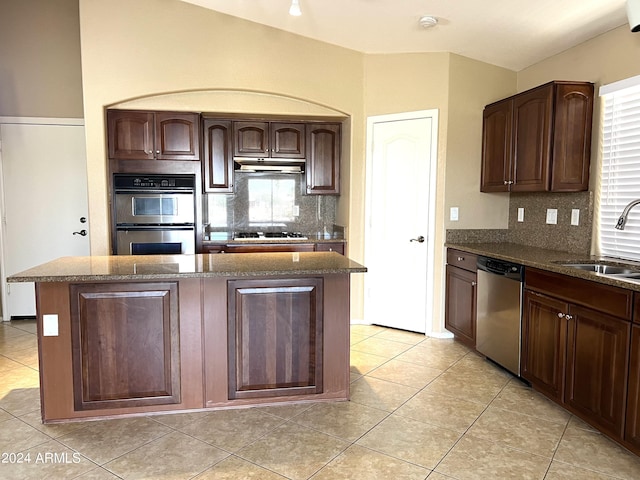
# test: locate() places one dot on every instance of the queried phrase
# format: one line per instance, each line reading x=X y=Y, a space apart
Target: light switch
x=521 y=214
x=552 y=216
x=575 y=216
x=50 y=325
x=453 y=214
x=296 y=210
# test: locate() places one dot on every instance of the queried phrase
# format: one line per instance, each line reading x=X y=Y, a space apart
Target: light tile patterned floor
x=420 y=408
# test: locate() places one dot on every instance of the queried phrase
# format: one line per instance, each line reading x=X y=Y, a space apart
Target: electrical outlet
x=552 y=216
x=50 y=325
x=575 y=216
x=521 y=214
x=296 y=210
x=453 y=214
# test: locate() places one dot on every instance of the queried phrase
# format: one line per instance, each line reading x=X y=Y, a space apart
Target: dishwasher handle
x=499 y=267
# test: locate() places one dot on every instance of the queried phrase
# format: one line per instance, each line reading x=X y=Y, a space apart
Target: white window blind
x=620 y=174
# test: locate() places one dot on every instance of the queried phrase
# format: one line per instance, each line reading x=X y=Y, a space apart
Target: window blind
x=620 y=174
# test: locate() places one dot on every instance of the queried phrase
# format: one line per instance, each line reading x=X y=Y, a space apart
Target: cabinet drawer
x=604 y=298
x=461 y=259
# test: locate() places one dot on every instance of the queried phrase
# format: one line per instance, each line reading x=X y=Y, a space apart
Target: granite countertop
x=550 y=260
x=143 y=267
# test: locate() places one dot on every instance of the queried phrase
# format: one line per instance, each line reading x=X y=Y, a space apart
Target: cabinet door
x=125 y=344
x=460 y=310
x=177 y=136
x=275 y=337
x=323 y=159
x=218 y=157
x=597 y=368
x=251 y=139
x=544 y=340
x=632 y=426
x=572 y=137
x=496 y=147
x=531 y=149
x=130 y=135
x=331 y=247
x=287 y=140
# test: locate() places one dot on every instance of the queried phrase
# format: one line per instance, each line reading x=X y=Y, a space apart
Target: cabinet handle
x=561 y=315
x=158 y=152
x=460 y=259
x=568 y=317
x=473 y=284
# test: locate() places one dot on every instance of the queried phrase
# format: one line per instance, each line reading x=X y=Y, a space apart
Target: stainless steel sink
x=603 y=268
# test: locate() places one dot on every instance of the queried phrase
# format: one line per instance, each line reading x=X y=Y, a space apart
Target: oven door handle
x=121 y=191
x=142 y=228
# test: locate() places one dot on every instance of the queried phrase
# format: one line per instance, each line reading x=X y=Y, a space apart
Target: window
x=271 y=200
x=620 y=173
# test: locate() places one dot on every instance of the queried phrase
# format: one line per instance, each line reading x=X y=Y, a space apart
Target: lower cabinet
x=275 y=332
x=125 y=344
x=597 y=368
x=544 y=333
x=577 y=354
x=632 y=427
x=460 y=301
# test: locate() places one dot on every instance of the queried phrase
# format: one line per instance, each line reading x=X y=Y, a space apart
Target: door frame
x=18 y=121
x=431 y=208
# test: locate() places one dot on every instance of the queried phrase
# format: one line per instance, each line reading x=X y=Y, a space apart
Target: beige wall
x=40 y=74
x=459 y=88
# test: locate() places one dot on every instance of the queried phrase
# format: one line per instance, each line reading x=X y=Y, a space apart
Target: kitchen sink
x=603 y=268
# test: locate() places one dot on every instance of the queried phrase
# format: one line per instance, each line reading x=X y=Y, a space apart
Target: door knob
x=420 y=239
x=81 y=232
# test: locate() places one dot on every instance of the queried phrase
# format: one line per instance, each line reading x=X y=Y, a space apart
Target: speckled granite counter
x=550 y=260
x=149 y=267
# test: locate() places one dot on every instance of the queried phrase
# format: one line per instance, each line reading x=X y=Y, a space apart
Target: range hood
x=270 y=165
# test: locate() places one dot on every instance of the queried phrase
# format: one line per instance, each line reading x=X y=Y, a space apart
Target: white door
x=400 y=201
x=44 y=184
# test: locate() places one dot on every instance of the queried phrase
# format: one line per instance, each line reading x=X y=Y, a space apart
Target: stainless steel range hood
x=270 y=165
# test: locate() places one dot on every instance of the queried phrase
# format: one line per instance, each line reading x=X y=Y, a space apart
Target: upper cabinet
x=218 y=156
x=539 y=140
x=139 y=135
x=269 y=139
x=323 y=159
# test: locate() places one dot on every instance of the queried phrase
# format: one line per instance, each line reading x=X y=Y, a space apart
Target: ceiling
x=509 y=33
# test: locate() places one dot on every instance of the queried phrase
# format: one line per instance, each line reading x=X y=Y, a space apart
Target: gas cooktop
x=268 y=235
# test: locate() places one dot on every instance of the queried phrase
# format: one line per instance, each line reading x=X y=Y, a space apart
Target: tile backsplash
x=534 y=230
x=269 y=202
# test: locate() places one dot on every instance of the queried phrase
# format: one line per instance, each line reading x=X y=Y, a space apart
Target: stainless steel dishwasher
x=499 y=312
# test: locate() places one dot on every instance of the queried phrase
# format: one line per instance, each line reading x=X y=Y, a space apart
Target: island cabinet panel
x=275 y=335
x=126 y=344
x=597 y=367
x=544 y=334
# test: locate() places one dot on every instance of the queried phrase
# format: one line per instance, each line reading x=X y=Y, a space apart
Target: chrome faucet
x=623 y=218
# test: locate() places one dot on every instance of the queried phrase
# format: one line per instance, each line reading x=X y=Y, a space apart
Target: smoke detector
x=428 y=21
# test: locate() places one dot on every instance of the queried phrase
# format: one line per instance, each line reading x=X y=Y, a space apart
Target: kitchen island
x=122 y=335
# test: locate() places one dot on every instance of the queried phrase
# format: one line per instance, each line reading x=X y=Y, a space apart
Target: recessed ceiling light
x=428 y=21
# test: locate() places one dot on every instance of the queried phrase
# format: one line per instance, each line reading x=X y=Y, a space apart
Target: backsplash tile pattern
x=534 y=231
x=231 y=212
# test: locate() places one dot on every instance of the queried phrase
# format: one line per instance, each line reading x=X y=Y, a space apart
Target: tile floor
x=420 y=408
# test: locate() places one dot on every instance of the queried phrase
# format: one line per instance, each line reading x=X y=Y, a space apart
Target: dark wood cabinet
x=575 y=346
x=275 y=331
x=461 y=295
x=597 y=368
x=269 y=139
x=539 y=140
x=338 y=247
x=125 y=345
x=323 y=159
x=632 y=426
x=139 y=135
x=544 y=334
x=217 y=163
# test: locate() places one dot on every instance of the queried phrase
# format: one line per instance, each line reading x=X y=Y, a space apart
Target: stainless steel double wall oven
x=154 y=214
